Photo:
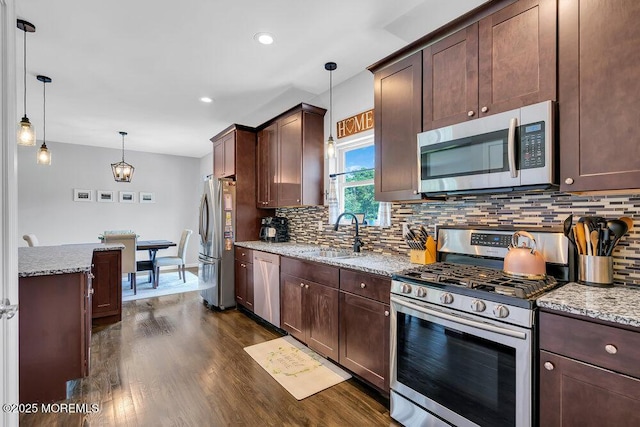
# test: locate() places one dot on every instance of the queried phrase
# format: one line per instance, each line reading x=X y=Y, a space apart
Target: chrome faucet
x=357 y=242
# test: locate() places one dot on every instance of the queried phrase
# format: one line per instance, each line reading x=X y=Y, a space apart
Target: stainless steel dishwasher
x=266 y=286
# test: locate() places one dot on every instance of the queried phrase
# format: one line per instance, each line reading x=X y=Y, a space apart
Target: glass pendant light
x=122 y=171
x=26 y=134
x=44 y=155
x=331 y=145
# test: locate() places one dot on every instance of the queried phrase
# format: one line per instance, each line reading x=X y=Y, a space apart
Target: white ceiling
x=142 y=66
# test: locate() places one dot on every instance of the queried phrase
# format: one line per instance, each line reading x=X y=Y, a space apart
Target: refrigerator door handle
x=204 y=218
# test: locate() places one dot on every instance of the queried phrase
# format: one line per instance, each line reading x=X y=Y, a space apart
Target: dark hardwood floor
x=173 y=362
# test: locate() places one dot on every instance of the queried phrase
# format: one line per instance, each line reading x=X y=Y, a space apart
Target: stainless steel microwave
x=502 y=152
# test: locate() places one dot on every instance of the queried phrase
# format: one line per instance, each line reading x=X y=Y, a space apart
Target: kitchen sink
x=335 y=253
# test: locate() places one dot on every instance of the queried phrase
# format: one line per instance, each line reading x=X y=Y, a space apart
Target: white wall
x=45 y=196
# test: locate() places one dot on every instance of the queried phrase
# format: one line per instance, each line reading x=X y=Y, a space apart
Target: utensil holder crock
x=595 y=270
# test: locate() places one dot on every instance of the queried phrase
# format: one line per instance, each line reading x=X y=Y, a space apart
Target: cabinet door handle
x=471 y=113
x=611 y=349
x=549 y=366
x=386 y=313
x=484 y=109
x=362 y=285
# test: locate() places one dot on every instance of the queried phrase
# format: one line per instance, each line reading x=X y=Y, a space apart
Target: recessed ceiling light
x=206 y=99
x=264 y=38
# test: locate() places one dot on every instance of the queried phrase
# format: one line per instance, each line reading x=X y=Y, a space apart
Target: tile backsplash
x=522 y=210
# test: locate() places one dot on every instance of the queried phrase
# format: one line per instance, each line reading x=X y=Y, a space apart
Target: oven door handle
x=461 y=320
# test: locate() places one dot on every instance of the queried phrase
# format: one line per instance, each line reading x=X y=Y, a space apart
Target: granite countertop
x=618 y=304
x=48 y=260
x=370 y=262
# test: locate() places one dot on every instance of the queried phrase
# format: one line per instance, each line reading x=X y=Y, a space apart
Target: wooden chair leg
x=184 y=276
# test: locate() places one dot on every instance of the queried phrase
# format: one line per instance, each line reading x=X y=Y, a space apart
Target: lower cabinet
x=308 y=309
x=244 y=277
x=54 y=334
x=364 y=326
x=107 y=286
x=589 y=373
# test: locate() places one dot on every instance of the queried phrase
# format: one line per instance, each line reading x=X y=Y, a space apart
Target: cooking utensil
x=567 y=229
x=431 y=248
x=619 y=228
x=587 y=234
x=627 y=221
x=581 y=241
x=524 y=261
x=595 y=247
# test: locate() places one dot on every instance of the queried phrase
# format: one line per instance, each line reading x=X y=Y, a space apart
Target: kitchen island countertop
x=618 y=304
x=370 y=262
x=62 y=259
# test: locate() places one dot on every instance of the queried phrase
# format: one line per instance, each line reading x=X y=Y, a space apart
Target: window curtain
x=334 y=206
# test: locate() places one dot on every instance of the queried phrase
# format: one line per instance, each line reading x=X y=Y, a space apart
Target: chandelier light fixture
x=26 y=134
x=122 y=171
x=44 y=155
x=331 y=145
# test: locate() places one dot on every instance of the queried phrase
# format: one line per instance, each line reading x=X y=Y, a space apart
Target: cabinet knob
x=568 y=181
x=242 y=265
x=484 y=109
x=471 y=113
x=386 y=313
x=306 y=286
x=415 y=191
x=548 y=366
x=611 y=349
x=302 y=285
x=362 y=285
x=297 y=200
x=242 y=254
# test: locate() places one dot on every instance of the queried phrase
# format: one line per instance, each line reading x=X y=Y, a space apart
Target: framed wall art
x=147 y=197
x=105 y=196
x=127 y=197
x=82 y=195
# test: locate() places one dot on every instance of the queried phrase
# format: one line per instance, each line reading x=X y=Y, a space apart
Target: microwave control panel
x=532 y=145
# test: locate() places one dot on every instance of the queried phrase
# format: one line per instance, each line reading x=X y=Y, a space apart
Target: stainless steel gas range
x=462 y=332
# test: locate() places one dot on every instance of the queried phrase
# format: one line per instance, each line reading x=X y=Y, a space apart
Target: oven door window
x=474 y=155
x=472 y=376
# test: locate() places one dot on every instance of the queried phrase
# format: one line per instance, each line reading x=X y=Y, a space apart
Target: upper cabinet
x=224 y=155
x=398 y=118
x=598 y=87
x=290 y=159
x=504 y=61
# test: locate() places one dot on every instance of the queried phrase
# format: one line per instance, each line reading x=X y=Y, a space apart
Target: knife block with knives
x=422 y=246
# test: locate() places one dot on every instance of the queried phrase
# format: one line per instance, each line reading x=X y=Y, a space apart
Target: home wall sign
x=355 y=124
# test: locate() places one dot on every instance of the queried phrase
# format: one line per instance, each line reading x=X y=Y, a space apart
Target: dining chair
x=178 y=260
x=31 y=239
x=128 y=254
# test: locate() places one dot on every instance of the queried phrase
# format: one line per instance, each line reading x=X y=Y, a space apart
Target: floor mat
x=169 y=284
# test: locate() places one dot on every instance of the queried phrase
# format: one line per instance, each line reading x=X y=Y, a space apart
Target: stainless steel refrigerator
x=217 y=233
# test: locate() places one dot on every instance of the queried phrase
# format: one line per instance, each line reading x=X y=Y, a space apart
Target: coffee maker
x=274 y=229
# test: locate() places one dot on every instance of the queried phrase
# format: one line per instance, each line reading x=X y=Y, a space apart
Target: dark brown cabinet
x=54 y=334
x=598 y=69
x=107 y=286
x=238 y=160
x=291 y=158
x=244 y=277
x=309 y=309
x=505 y=61
x=364 y=326
x=589 y=373
x=224 y=156
x=398 y=118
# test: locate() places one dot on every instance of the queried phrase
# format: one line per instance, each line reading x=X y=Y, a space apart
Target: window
x=355 y=187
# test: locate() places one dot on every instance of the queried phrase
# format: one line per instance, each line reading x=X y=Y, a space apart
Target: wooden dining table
x=153 y=246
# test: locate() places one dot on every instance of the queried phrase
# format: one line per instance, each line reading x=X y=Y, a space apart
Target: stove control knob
x=446 y=298
x=500 y=311
x=421 y=292
x=405 y=289
x=478 y=306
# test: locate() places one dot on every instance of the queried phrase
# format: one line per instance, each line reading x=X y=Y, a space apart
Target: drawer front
x=320 y=273
x=601 y=345
x=366 y=285
x=244 y=254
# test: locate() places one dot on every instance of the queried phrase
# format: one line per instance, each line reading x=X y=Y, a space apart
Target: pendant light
x=26 y=134
x=44 y=155
x=331 y=145
x=122 y=171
